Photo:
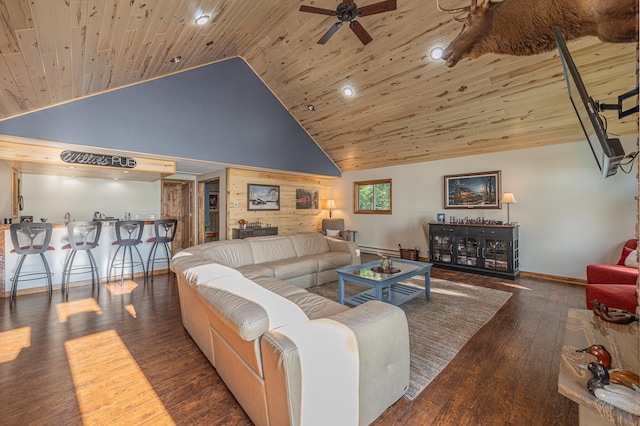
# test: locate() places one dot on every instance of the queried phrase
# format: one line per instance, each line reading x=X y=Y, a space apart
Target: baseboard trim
x=557 y=278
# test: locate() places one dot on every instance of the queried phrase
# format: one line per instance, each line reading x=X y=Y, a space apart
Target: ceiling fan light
x=202 y=19
x=348 y=91
x=436 y=53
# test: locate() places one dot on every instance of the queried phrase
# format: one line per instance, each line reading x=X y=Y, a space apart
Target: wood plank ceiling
x=407 y=108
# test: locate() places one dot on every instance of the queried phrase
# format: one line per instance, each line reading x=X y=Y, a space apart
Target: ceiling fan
x=348 y=11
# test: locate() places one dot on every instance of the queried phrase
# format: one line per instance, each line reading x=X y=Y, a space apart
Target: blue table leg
x=340 y=289
x=427 y=284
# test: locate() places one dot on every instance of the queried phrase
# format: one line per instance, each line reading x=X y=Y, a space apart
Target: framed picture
x=472 y=191
x=307 y=198
x=213 y=201
x=263 y=197
x=440 y=217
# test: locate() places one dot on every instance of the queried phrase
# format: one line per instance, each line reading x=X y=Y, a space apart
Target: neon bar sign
x=87 y=158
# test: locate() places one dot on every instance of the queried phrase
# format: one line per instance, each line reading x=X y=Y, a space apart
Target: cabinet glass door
x=496 y=255
x=467 y=251
x=442 y=248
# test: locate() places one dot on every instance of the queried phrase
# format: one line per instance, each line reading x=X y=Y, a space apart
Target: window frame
x=356 y=196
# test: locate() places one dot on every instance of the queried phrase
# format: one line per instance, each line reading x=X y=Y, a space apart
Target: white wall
x=53 y=196
x=569 y=215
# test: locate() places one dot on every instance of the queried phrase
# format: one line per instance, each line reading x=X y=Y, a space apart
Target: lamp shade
x=508 y=198
x=331 y=204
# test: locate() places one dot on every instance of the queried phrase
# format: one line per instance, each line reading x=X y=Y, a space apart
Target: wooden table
x=623 y=343
x=385 y=287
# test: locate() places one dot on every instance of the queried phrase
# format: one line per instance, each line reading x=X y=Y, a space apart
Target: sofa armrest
x=611 y=274
x=382 y=335
x=350 y=247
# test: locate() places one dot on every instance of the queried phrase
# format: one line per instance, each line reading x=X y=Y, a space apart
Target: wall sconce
x=508 y=198
x=332 y=205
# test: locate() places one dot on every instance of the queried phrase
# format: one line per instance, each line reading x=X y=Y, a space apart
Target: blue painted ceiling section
x=221 y=112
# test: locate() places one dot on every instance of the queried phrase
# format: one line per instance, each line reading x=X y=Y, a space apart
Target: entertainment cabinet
x=482 y=249
x=253 y=232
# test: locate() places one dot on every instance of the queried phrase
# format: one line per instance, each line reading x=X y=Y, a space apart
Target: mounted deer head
x=524 y=27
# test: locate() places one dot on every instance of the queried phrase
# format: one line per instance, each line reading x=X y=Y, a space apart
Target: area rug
x=439 y=328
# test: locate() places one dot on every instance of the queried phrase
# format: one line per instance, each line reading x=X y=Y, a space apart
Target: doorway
x=211 y=211
x=177 y=202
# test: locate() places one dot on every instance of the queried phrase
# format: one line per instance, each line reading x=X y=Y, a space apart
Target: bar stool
x=165 y=230
x=24 y=237
x=128 y=236
x=83 y=236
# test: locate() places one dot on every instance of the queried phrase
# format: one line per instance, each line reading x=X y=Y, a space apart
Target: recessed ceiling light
x=311 y=107
x=348 y=91
x=209 y=43
x=202 y=19
x=115 y=178
x=436 y=53
x=176 y=59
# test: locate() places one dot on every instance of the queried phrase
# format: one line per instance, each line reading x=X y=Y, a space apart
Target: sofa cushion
x=611 y=274
x=296 y=267
x=277 y=286
x=620 y=296
x=333 y=260
x=253 y=270
x=269 y=249
x=233 y=253
x=309 y=243
x=315 y=306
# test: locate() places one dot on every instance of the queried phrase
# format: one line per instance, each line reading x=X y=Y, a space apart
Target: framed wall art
x=263 y=197
x=307 y=198
x=472 y=191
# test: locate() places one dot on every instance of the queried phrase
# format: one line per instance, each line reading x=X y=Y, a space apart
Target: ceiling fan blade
x=325 y=38
x=383 y=6
x=319 y=10
x=360 y=32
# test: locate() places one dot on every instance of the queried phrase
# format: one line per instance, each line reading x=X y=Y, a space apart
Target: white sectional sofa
x=291 y=357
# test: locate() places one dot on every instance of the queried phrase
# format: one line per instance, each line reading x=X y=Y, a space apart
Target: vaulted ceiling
x=406 y=107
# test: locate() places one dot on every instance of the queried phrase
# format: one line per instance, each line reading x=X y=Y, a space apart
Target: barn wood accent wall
x=287 y=219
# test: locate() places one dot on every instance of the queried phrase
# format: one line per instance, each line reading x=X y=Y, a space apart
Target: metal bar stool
x=25 y=238
x=83 y=236
x=165 y=232
x=128 y=236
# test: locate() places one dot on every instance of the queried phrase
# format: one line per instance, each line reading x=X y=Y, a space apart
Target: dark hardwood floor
x=123 y=357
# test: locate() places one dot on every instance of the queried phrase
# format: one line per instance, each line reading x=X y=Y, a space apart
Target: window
x=373 y=196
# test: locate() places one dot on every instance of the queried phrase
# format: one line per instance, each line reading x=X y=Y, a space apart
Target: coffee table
x=385 y=287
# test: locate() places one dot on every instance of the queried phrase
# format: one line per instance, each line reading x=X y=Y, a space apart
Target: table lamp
x=332 y=205
x=508 y=198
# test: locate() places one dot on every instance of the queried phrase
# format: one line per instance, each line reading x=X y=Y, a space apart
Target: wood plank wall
x=288 y=219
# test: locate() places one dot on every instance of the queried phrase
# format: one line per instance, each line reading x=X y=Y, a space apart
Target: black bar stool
x=30 y=238
x=128 y=236
x=165 y=230
x=83 y=236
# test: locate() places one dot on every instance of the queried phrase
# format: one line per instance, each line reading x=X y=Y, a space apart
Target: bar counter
x=57 y=257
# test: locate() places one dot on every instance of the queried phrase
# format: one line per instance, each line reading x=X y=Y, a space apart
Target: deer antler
x=457 y=10
x=452 y=11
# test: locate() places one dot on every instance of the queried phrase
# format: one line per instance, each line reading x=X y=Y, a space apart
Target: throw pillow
x=632 y=259
x=625 y=254
x=333 y=233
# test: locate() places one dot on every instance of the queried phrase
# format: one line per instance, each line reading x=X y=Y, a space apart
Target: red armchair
x=614 y=285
